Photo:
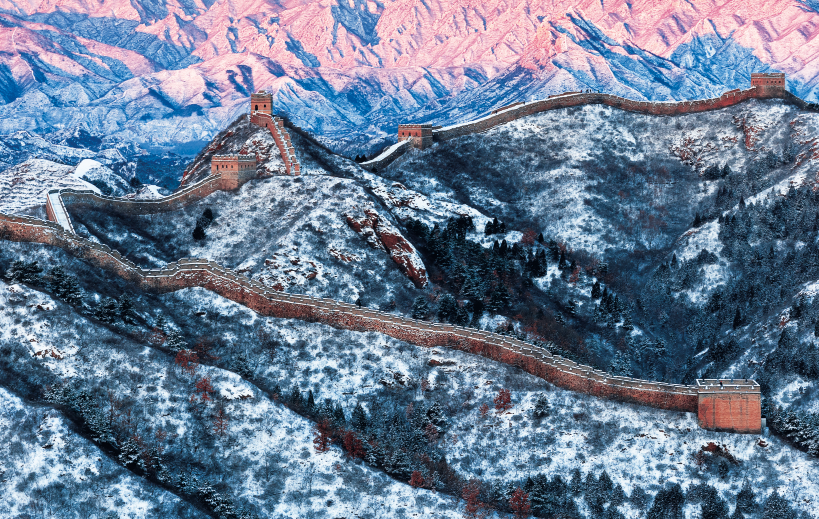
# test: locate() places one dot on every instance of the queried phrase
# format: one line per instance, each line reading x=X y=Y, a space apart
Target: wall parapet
x=197 y=272
x=275 y=125
x=570 y=99
x=387 y=156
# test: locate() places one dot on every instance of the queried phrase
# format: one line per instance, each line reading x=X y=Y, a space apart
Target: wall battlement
x=234 y=169
x=763 y=86
x=729 y=405
x=275 y=125
x=419 y=134
x=741 y=416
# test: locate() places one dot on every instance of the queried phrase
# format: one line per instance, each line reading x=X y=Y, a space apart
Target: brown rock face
x=380 y=234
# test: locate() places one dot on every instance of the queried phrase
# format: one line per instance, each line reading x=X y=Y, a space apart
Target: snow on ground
x=46 y=466
x=637 y=445
x=289 y=233
x=266 y=457
x=596 y=177
x=25 y=186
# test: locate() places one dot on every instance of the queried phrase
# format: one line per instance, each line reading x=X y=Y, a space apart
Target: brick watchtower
x=768 y=84
x=732 y=405
x=235 y=169
x=419 y=134
x=261 y=102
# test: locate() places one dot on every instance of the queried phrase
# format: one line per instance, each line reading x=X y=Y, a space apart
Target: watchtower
x=731 y=405
x=261 y=102
x=235 y=169
x=419 y=134
x=768 y=80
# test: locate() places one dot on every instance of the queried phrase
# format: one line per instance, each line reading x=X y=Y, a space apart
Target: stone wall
x=729 y=405
x=518 y=110
x=275 y=126
x=174 y=202
x=387 y=156
x=647 y=107
x=187 y=273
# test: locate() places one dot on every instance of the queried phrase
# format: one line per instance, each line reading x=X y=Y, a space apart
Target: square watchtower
x=768 y=80
x=261 y=102
x=732 y=405
x=419 y=134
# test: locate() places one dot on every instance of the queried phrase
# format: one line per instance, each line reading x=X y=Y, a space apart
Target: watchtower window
x=257 y=107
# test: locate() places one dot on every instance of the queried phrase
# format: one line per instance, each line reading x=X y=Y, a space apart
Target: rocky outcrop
x=381 y=234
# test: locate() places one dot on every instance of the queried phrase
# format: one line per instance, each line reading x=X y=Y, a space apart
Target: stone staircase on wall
x=282 y=137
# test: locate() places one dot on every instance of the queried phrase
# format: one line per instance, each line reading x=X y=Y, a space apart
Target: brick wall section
x=387 y=156
x=518 y=110
x=729 y=405
x=282 y=137
x=174 y=202
x=647 y=107
x=202 y=273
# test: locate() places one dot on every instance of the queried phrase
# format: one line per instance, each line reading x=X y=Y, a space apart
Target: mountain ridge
x=171 y=72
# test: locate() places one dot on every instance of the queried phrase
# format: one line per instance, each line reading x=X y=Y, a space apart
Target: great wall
x=726 y=405
x=422 y=136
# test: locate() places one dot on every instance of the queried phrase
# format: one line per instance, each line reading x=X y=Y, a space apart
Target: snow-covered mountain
x=172 y=71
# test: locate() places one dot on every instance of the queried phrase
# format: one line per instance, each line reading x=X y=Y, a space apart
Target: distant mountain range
x=170 y=72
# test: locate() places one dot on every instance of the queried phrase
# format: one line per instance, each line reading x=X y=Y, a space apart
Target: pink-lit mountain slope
x=167 y=72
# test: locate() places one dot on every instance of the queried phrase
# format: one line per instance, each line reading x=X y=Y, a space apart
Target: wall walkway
x=282 y=137
x=188 y=272
x=567 y=100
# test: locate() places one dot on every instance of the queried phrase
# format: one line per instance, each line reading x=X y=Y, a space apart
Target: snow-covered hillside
x=616 y=233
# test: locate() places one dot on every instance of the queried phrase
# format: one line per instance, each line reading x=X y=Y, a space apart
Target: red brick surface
x=209 y=275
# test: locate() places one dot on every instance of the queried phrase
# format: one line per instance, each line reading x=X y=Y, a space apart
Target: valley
x=612 y=238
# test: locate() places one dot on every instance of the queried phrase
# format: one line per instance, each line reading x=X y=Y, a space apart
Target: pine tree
x=72 y=293
x=339 y=420
x=199 y=232
x=737 y=319
x=310 y=405
x=175 y=341
x=776 y=507
x=358 y=420
x=668 y=503
x=562 y=264
x=576 y=483
x=540 y=238
x=621 y=365
x=125 y=308
x=447 y=309
x=595 y=291
x=107 y=311
x=541 y=408
x=713 y=507
x=746 y=499
x=161 y=323
x=420 y=308
x=24 y=272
